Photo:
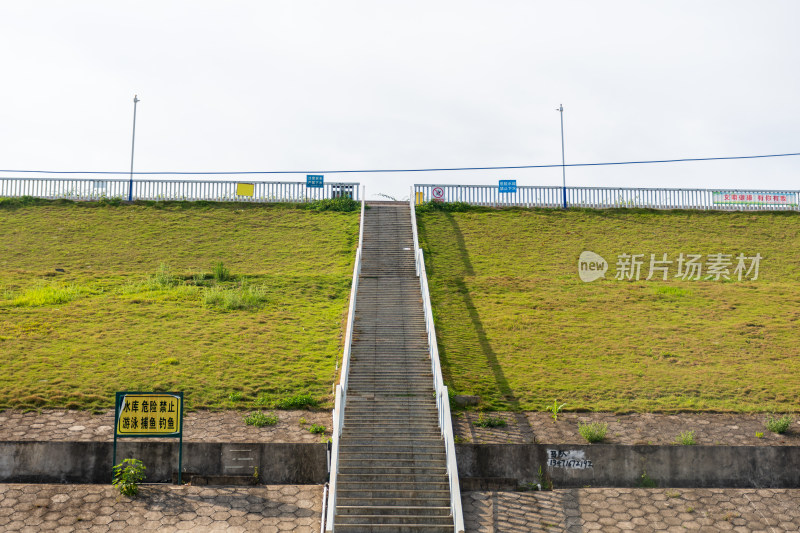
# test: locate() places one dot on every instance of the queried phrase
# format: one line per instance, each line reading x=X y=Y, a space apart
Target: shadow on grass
x=480 y=333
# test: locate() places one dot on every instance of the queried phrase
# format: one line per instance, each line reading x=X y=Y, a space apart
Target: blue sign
x=314 y=181
x=509 y=186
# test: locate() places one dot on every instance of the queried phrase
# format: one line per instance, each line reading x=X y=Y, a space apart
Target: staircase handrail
x=340 y=398
x=442 y=395
x=411 y=203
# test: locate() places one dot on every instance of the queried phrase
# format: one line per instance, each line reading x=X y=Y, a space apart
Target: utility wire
x=454 y=169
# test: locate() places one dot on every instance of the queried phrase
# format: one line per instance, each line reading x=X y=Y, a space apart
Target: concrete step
x=393 y=528
x=419 y=496
x=392 y=519
x=413 y=501
x=393 y=510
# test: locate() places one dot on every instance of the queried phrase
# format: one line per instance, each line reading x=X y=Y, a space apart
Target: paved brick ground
x=640 y=510
x=639 y=428
x=100 y=508
x=63 y=508
x=202 y=426
x=228 y=426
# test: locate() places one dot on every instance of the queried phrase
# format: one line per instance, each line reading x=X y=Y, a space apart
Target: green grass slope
x=518 y=327
x=142 y=303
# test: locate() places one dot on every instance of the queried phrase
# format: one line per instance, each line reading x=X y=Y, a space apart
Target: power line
x=454 y=169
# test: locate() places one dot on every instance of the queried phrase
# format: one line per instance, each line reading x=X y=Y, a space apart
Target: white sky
x=324 y=85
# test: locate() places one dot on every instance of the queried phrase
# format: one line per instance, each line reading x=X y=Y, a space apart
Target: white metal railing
x=613 y=197
x=442 y=396
x=340 y=398
x=173 y=190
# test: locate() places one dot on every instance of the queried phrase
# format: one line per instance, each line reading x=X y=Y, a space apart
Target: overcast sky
x=293 y=85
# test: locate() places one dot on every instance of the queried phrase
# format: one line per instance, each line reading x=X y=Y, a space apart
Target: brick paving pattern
x=100 y=508
x=274 y=508
x=228 y=426
x=640 y=510
x=199 y=426
x=639 y=428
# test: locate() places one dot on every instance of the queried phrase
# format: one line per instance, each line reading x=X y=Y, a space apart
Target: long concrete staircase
x=392 y=468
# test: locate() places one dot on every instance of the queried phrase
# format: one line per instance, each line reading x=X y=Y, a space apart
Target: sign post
x=149 y=414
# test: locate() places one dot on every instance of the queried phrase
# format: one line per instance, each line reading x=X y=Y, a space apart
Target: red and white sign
x=438 y=193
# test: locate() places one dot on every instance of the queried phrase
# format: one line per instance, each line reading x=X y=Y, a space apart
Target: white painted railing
x=173 y=190
x=340 y=398
x=442 y=396
x=612 y=197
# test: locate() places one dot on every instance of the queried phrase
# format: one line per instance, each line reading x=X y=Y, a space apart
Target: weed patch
x=593 y=431
x=259 y=419
x=299 y=401
x=779 y=425
x=488 y=421
x=686 y=438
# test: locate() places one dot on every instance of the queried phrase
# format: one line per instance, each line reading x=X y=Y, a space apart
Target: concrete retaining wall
x=90 y=462
x=610 y=465
x=479 y=465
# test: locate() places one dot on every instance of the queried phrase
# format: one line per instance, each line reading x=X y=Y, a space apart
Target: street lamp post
x=563 y=167
x=133 y=144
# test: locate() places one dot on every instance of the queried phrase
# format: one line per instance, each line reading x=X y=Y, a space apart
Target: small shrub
x=686 y=438
x=485 y=421
x=317 y=429
x=221 y=272
x=297 y=402
x=261 y=400
x=593 y=431
x=646 y=481
x=759 y=434
x=259 y=419
x=127 y=476
x=779 y=425
x=303 y=421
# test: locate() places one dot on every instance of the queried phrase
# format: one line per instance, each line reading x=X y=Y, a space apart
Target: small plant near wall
x=646 y=481
x=593 y=431
x=317 y=429
x=488 y=421
x=259 y=419
x=779 y=425
x=127 y=476
x=555 y=409
x=686 y=438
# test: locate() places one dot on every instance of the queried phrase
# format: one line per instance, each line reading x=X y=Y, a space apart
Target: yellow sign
x=245 y=189
x=420 y=198
x=150 y=414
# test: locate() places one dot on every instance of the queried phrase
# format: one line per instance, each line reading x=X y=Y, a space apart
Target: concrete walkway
x=273 y=508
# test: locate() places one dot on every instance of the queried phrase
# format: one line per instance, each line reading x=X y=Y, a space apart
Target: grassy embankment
x=143 y=303
x=518 y=327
